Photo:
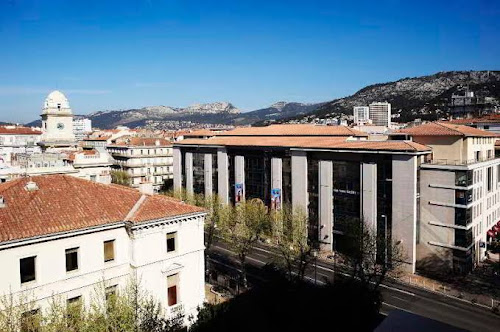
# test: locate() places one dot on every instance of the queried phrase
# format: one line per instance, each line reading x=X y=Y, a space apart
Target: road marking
x=399 y=298
x=397 y=290
x=396 y=307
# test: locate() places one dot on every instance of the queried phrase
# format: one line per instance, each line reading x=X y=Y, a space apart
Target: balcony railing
x=451 y=162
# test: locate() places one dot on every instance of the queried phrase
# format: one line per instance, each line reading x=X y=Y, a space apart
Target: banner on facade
x=276 y=199
x=238 y=192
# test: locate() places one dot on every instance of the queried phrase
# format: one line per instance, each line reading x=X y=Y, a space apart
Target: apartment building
x=18 y=139
x=81 y=128
x=361 y=115
x=380 y=113
x=63 y=236
x=459 y=195
x=333 y=173
x=146 y=160
x=93 y=165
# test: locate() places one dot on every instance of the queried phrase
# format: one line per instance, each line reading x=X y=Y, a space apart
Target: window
x=110 y=296
x=172 y=284
x=171 y=241
x=93 y=178
x=27 y=269
x=30 y=321
x=490 y=178
x=109 y=251
x=74 y=311
x=463 y=178
x=71 y=259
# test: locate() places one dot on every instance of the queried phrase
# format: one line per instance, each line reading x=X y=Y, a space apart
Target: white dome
x=56 y=101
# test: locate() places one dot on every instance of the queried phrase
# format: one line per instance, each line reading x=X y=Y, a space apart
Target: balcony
x=452 y=162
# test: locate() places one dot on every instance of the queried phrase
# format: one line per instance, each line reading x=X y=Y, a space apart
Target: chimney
x=31 y=186
x=2 y=202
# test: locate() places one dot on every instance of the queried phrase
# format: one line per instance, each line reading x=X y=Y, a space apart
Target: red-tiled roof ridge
x=445 y=129
x=65 y=203
x=294 y=130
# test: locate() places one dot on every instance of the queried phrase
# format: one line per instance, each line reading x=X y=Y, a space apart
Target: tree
x=370 y=256
x=120 y=177
x=290 y=237
x=242 y=226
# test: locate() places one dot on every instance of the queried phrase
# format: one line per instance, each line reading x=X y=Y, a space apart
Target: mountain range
x=423 y=97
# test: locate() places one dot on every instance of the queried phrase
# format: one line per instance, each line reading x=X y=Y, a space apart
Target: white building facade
x=15 y=139
x=162 y=248
x=361 y=115
x=81 y=128
x=380 y=114
x=146 y=160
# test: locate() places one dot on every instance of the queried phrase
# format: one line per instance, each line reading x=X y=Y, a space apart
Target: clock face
x=60 y=126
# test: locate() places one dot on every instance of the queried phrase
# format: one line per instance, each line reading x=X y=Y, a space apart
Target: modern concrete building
x=380 y=114
x=81 y=128
x=361 y=115
x=93 y=165
x=459 y=195
x=146 y=160
x=63 y=236
x=332 y=172
x=412 y=188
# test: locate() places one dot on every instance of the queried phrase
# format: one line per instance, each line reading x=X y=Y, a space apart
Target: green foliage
x=362 y=260
x=130 y=310
x=289 y=234
x=241 y=226
x=120 y=177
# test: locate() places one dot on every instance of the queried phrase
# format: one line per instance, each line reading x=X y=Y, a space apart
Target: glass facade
x=463 y=178
x=313 y=193
x=463 y=217
x=287 y=180
x=384 y=207
x=230 y=164
x=463 y=237
x=215 y=174
x=199 y=173
x=258 y=177
x=346 y=194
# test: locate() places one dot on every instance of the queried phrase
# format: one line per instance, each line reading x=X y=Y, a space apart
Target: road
x=395 y=296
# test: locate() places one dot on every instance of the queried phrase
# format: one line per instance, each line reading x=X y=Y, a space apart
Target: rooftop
x=65 y=203
x=294 y=130
x=334 y=143
x=491 y=118
x=446 y=129
x=141 y=141
x=15 y=130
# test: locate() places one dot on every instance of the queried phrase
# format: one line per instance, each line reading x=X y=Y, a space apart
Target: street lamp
x=385 y=239
x=314 y=253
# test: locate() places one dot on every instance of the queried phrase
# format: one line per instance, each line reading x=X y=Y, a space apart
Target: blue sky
x=124 y=54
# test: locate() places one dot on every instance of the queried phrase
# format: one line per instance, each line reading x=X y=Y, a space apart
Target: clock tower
x=57 y=123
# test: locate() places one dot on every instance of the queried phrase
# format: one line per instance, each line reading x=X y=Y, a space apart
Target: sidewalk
x=480 y=287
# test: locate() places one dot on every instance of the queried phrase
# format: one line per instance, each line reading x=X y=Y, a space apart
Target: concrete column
x=404 y=206
x=223 y=175
x=369 y=194
x=239 y=173
x=277 y=174
x=325 y=204
x=177 y=168
x=208 y=174
x=299 y=180
x=189 y=172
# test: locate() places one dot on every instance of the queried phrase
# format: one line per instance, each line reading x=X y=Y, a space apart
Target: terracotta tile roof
x=18 y=131
x=65 y=203
x=201 y=132
x=491 y=118
x=72 y=155
x=142 y=141
x=294 y=130
x=445 y=129
x=312 y=142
